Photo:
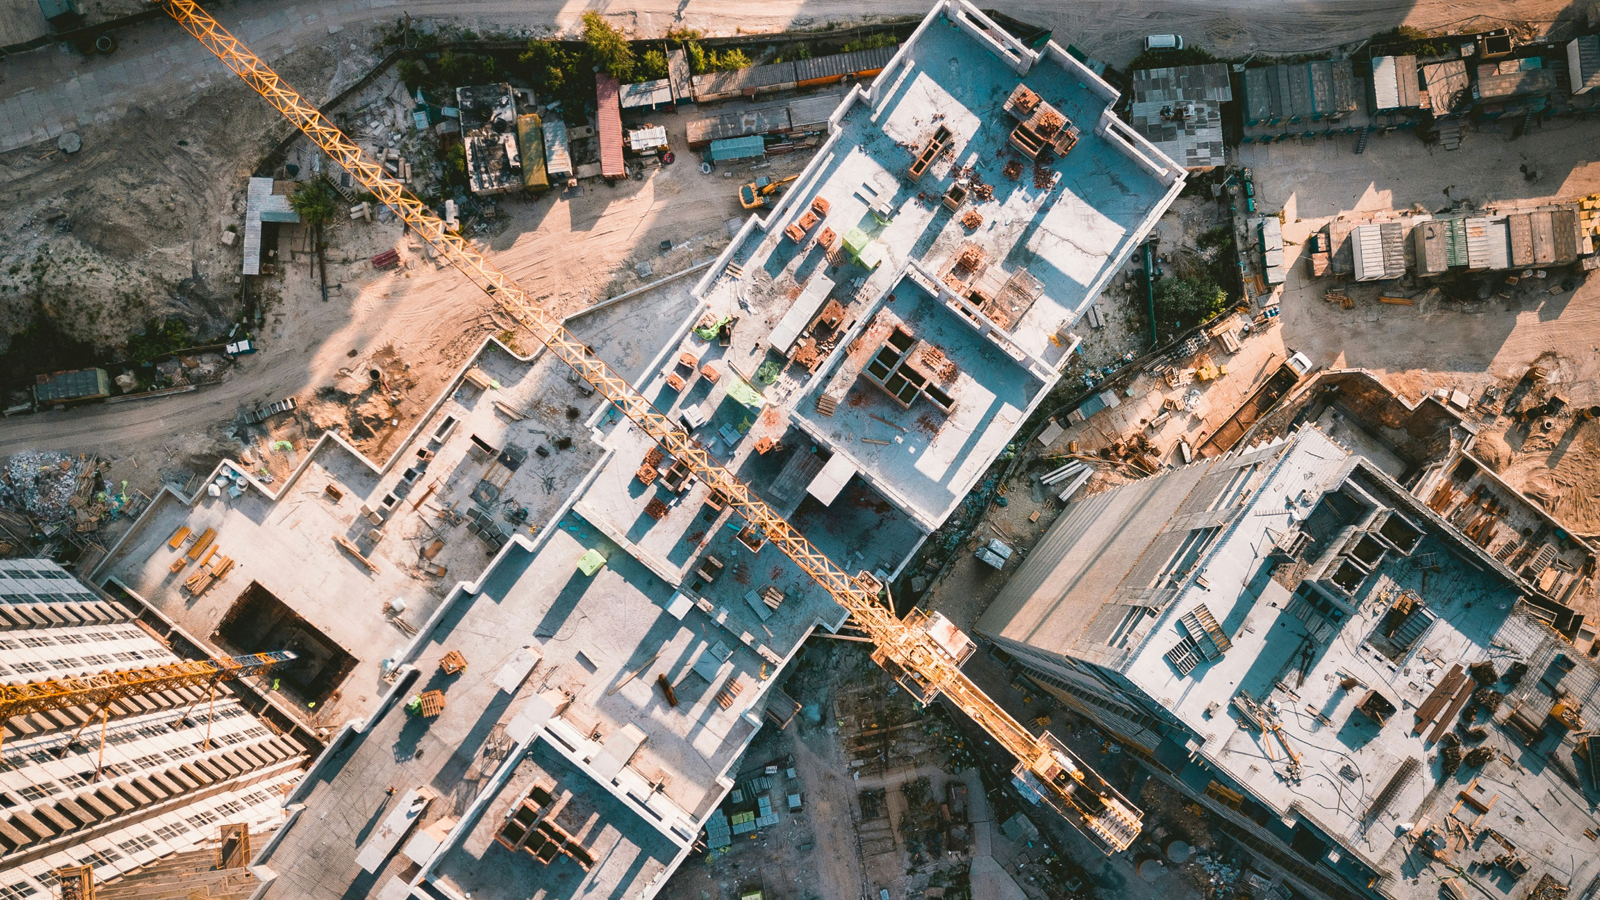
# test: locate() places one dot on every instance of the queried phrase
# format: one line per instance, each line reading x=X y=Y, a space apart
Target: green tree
x=652 y=65
x=160 y=337
x=729 y=61
x=316 y=202
x=548 y=64
x=697 y=57
x=609 y=49
x=412 y=72
x=1182 y=303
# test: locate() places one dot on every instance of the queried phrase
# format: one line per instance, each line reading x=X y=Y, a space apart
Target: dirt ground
x=1444 y=344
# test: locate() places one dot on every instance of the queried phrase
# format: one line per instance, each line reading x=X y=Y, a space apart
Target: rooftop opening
x=258 y=622
x=1401 y=533
x=1401 y=626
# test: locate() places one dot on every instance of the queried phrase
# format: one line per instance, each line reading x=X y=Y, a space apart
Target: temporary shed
x=1477 y=243
x=737 y=148
x=1499 y=245
x=557 y=152
x=1544 y=238
x=1583 y=63
x=680 y=77
x=747 y=82
x=610 y=119
x=77 y=384
x=1394 y=83
x=646 y=95
x=648 y=140
x=1521 y=229
x=1366 y=242
x=1564 y=228
x=1431 y=240
x=746 y=122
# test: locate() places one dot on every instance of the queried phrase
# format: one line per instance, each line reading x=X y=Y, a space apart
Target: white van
x=1163 y=42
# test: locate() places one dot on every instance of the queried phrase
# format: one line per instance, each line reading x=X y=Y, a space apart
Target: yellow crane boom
x=103 y=688
x=909 y=653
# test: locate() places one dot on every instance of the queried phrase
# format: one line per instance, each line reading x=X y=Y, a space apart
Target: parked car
x=240 y=348
x=1301 y=364
x=1163 y=42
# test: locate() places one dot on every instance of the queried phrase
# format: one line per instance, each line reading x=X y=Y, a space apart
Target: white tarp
x=831 y=480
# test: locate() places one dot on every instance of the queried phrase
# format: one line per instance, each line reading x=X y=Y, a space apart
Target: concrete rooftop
x=1294 y=648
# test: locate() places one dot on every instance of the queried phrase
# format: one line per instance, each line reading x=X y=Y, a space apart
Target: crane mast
x=911 y=654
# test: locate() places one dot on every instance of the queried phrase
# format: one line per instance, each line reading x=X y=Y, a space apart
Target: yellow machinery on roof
x=919 y=662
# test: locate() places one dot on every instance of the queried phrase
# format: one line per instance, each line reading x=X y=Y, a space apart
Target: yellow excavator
x=761 y=192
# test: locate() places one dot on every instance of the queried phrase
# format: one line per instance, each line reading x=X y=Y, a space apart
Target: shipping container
x=1583 y=63
x=72 y=386
x=530 y=142
x=839 y=66
x=1430 y=244
x=737 y=148
x=610 y=120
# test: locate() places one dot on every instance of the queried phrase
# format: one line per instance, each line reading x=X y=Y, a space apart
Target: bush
x=697 y=57
x=870 y=42
x=652 y=65
x=1161 y=59
x=467 y=68
x=1182 y=303
x=161 y=336
x=729 y=61
x=411 y=72
x=609 y=49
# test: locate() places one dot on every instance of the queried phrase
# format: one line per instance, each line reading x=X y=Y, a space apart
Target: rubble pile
x=56 y=491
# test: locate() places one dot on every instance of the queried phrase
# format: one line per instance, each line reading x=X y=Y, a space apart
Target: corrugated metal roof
x=646 y=93
x=737 y=148
x=1456 y=242
x=1499 y=83
x=1257 y=95
x=762 y=120
x=1367 y=243
x=610 y=118
x=557 y=152
x=838 y=65
x=1583 y=63
x=1385 y=83
x=1208 y=82
x=812 y=113
x=1344 y=89
x=1430 y=239
x=1499 y=245
x=1299 y=93
x=680 y=76
x=78 y=384
x=718 y=85
x=1320 y=75
x=1394 y=249
x=642 y=140
x=1477 y=243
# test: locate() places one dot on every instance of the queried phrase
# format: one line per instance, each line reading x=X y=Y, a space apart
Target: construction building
x=164 y=776
x=1179 y=110
x=567 y=719
x=1372 y=700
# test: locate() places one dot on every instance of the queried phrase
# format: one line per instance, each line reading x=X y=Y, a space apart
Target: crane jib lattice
x=909 y=652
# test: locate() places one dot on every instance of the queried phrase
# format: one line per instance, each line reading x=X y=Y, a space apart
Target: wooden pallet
x=432 y=703
x=725 y=697
x=452 y=663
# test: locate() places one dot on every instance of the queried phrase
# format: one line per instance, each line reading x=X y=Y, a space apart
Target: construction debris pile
x=57 y=492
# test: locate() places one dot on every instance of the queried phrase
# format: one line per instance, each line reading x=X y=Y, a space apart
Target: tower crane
x=907 y=649
x=105 y=688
